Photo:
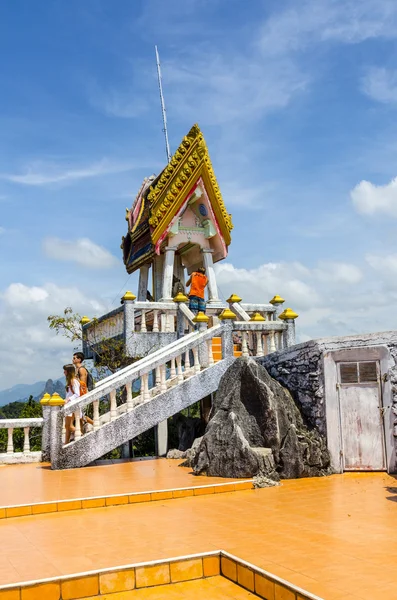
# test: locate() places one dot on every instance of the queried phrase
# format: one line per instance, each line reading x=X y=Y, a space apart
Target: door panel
x=361 y=421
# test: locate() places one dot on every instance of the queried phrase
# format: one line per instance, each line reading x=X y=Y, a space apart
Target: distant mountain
x=22 y=391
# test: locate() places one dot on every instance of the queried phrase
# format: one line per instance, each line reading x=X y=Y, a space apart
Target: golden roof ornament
x=56 y=400
x=180 y=297
x=233 y=298
x=45 y=399
x=128 y=297
x=201 y=318
x=256 y=317
x=276 y=300
x=227 y=314
x=290 y=314
x=85 y=320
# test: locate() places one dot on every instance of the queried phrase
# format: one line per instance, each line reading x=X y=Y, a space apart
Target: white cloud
x=385 y=264
x=381 y=84
x=124 y=104
x=315 y=21
x=38 y=174
x=29 y=350
x=370 y=199
x=82 y=251
x=337 y=272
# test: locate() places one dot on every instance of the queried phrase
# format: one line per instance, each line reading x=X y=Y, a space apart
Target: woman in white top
x=72 y=392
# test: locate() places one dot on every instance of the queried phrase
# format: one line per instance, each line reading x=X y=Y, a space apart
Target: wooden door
x=363 y=446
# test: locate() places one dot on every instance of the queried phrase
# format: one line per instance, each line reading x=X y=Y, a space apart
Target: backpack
x=90 y=381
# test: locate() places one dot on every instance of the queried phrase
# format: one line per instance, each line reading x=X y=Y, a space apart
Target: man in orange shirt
x=198 y=282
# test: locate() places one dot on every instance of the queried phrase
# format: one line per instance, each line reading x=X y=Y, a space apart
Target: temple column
x=209 y=271
x=166 y=295
x=158 y=266
x=179 y=270
x=143 y=283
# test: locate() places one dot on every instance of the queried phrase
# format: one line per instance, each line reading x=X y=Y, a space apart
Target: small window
x=348 y=372
x=368 y=372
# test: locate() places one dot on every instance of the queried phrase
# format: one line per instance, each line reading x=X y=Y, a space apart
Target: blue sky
x=298 y=107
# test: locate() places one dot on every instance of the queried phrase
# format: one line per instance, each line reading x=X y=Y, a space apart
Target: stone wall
x=300 y=369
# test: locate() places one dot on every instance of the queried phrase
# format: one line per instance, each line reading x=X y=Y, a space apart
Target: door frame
x=332 y=407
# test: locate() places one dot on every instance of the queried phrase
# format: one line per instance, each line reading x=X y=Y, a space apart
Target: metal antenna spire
x=167 y=145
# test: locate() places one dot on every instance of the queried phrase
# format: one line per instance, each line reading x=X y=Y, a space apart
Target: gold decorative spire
x=129 y=296
x=227 y=314
x=85 y=320
x=257 y=317
x=201 y=318
x=277 y=300
x=233 y=298
x=180 y=297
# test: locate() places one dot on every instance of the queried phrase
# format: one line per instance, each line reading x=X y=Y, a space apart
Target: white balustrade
x=244 y=345
x=23 y=452
x=143 y=322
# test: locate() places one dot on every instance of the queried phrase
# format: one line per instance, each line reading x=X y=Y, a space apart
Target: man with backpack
x=85 y=378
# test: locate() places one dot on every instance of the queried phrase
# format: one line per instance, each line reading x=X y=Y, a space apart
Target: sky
x=298 y=105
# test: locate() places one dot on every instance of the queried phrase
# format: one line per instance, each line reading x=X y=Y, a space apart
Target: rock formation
x=256 y=428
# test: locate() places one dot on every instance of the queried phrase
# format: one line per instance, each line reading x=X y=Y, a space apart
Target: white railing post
x=196 y=361
x=277 y=302
x=180 y=317
x=227 y=317
x=244 y=345
x=289 y=316
x=26 y=441
x=96 y=414
x=130 y=401
x=179 y=370
x=172 y=369
x=163 y=381
x=113 y=405
x=210 y=353
x=201 y=321
x=187 y=364
x=56 y=423
x=259 y=346
x=10 y=441
x=272 y=344
x=77 y=425
x=129 y=319
x=143 y=321
x=145 y=387
x=155 y=321
x=45 y=432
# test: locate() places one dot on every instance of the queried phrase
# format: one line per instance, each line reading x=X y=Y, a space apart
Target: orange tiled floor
x=24 y=484
x=213 y=588
x=334 y=536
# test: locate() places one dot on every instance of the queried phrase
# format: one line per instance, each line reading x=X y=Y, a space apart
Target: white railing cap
x=15 y=423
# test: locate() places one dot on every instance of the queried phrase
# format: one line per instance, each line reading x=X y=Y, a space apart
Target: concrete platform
x=332 y=536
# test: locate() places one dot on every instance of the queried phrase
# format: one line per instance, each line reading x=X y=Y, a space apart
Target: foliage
x=109 y=353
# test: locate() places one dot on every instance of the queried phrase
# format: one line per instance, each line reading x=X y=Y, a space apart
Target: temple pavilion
x=177 y=223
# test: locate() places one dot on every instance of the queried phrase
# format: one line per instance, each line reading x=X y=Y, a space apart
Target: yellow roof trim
x=190 y=162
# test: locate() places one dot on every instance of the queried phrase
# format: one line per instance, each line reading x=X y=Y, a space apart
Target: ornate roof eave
x=189 y=162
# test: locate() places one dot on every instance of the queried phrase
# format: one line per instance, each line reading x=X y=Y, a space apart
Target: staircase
x=176 y=375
